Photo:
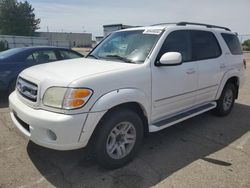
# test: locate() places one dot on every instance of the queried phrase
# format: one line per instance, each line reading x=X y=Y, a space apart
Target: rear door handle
x=190 y=71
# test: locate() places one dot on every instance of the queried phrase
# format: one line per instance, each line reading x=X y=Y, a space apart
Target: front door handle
x=190 y=71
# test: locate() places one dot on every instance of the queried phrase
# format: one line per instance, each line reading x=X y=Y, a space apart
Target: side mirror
x=170 y=59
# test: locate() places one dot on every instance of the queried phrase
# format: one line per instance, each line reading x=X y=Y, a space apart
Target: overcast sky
x=90 y=15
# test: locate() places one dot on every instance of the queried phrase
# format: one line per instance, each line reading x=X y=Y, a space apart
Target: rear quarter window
x=233 y=43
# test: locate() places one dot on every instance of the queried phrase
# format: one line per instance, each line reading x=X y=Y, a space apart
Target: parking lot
x=205 y=151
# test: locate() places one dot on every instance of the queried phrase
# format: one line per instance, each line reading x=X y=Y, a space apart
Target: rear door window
x=233 y=43
x=66 y=54
x=204 y=45
x=42 y=56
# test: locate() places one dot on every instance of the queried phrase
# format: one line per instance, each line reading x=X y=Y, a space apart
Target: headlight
x=54 y=96
x=66 y=98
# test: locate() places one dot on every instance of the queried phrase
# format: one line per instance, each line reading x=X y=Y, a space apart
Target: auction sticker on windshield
x=152 y=31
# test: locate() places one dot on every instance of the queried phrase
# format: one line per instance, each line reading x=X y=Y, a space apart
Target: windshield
x=8 y=53
x=127 y=46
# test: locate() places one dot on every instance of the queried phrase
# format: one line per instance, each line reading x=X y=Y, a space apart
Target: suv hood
x=65 y=72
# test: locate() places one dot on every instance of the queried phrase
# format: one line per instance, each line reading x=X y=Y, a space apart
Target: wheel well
x=235 y=81
x=136 y=107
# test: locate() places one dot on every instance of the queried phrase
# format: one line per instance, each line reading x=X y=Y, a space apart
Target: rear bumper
x=48 y=129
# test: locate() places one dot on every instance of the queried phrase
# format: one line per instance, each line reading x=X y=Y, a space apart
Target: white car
x=135 y=81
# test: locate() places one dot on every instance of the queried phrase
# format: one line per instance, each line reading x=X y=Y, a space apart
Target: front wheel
x=118 y=138
x=226 y=100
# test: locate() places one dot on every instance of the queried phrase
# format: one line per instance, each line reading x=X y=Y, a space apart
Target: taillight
x=245 y=63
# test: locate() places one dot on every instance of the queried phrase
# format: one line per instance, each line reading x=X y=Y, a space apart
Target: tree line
x=246 y=45
x=17 y=18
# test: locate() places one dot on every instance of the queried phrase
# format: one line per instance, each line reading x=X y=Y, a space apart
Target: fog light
x=51 y=135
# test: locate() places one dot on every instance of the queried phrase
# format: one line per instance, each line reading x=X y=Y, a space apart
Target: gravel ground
x=205 y=151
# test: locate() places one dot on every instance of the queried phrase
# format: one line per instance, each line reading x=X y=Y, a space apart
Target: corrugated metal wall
x=22 y=41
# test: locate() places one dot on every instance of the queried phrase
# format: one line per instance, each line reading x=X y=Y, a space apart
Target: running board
x=162 y=124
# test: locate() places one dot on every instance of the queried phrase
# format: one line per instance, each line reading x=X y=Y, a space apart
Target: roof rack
x=163 y=24
x=201 y=24
x=192 y=23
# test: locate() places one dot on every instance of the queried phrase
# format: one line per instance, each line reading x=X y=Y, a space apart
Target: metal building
x=107 y=29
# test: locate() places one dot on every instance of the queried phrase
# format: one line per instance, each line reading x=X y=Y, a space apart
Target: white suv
x=135 y=81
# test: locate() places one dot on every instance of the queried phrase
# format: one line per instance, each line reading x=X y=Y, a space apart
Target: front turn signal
x=76 y=98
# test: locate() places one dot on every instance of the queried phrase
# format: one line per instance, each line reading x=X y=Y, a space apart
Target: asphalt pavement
x=205 y=151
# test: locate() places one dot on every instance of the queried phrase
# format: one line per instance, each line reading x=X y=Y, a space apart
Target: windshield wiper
x=121 y=58
x=91 y=55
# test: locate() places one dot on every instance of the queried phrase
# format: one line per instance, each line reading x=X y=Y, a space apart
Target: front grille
x=27 y=89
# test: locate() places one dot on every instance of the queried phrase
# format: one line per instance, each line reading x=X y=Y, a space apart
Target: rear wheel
x=118 y=138
x=226 y=100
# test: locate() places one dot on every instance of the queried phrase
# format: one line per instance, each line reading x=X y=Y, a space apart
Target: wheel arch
x=131 y=99
x=230 y=77
x=137 y=108
x=133 y=106
x=122 y=97
x=236 y=82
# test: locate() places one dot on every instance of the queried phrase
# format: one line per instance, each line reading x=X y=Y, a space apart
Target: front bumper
x=48 y=129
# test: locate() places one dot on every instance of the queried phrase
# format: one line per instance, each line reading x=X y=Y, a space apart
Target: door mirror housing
x=170 y=59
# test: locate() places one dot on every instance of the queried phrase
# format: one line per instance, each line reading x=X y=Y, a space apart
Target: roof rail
x=201 y=24
x=163 y=24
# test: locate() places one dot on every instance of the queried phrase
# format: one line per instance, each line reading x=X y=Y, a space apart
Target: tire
x=118 y=138
x=226 y=101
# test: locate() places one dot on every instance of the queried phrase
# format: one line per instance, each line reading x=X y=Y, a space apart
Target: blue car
x=13 y=61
